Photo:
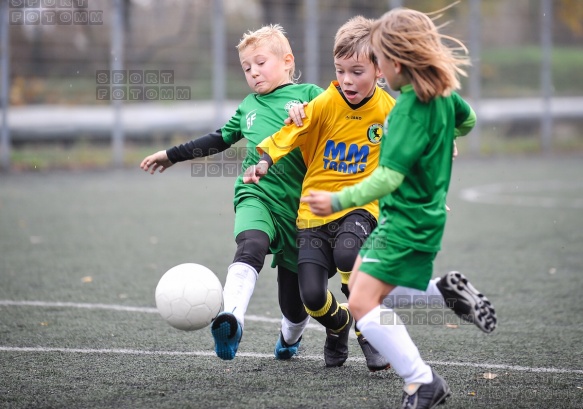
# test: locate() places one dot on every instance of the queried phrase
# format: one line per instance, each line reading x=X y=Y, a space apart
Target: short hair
x=353 y=39
x=412 y=39
x=273 y=36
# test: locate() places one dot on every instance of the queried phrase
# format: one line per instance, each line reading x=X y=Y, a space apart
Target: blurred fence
x=124 y=70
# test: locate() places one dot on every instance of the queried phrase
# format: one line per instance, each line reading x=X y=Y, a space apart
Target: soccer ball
x=189 y=296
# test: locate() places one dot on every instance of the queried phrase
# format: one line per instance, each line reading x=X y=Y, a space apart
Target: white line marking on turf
x=113 y=307
x=77 y=305
x=270 y=356
x=206 y=353
x=547 y=194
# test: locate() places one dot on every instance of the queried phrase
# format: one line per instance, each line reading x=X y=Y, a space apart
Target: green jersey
x=257 y=117
x=419 y=145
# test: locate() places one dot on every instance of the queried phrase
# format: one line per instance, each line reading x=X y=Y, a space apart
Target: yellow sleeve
x=287 y=138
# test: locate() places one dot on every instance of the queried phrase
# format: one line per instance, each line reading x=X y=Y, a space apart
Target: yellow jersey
x=340 y=146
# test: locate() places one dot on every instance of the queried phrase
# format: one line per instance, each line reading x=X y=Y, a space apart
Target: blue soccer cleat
x=227 y=333
x=285 y=351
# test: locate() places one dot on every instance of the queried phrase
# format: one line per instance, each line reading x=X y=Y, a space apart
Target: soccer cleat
x=374 y=360
x=336 y=346
x=285 y=351
x=227 y=333
x=426 y=396
x=467 y=302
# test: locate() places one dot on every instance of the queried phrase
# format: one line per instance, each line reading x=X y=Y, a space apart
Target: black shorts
x=318 y=244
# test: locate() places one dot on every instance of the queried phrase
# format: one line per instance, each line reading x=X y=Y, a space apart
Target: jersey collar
x=407 y=88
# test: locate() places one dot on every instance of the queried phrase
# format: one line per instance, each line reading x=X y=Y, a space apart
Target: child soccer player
x=264 y=214
x=411 y=181
x=339 y=140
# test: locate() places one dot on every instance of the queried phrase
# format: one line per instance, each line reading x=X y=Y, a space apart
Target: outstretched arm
x=209 y=144
x=276 y=146
x=380 y=183
x=155 y=161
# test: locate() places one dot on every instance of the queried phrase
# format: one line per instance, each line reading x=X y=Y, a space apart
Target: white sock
x=391 y=338
x=405 y=297
x=238 y=289
x=291 y=331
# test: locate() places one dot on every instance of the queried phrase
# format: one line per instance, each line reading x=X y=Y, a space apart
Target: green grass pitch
x=81 y=254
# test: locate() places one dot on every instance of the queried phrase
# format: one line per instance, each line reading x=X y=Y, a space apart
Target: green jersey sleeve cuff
x=467 y=125
x=336 y=205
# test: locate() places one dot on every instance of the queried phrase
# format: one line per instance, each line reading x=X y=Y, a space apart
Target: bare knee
x=359 y=307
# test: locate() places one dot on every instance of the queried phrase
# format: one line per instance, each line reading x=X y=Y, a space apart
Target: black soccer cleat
x=374 y=360
x=467 y=302
x=336 y=346
x=428 y=395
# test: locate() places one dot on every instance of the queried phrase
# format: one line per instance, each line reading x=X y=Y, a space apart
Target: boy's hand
x=296 y=114
x=320 y=202
x=255 y=172
x=157 y=160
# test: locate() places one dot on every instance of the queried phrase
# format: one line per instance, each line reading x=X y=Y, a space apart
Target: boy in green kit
x=264 y=214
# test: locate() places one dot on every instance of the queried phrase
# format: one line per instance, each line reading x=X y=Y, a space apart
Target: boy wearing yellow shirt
x=340 y=144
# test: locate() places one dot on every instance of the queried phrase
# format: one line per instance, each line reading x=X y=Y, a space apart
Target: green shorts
x=253 y=214
x=396 y=264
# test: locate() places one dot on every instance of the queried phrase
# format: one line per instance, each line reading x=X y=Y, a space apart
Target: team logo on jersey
x=250 y=118
x=375 y=133
x=290 y=104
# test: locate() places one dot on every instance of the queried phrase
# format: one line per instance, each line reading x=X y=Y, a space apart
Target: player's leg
x=352 y=232
x=379 y=272
x=295 y=318
x=254 y=231
x=321 y=305
x=227 y=328
x=383 y=328
x=315 y=267
x=452 y=290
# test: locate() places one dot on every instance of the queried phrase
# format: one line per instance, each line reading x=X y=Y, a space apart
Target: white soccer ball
x=189 y=296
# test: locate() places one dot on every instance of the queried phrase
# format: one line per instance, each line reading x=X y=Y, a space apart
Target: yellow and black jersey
x=340 y=145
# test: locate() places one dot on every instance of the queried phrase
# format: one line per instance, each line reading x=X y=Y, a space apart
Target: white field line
x=124 y=308
x=546 y=194
x=270 y=356
x=212 y=354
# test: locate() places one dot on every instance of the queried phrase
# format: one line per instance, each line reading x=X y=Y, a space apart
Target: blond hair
x=271 y=36
x=412 y=39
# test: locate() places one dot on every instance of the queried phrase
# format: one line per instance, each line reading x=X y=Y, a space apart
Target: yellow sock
x=344 y=276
